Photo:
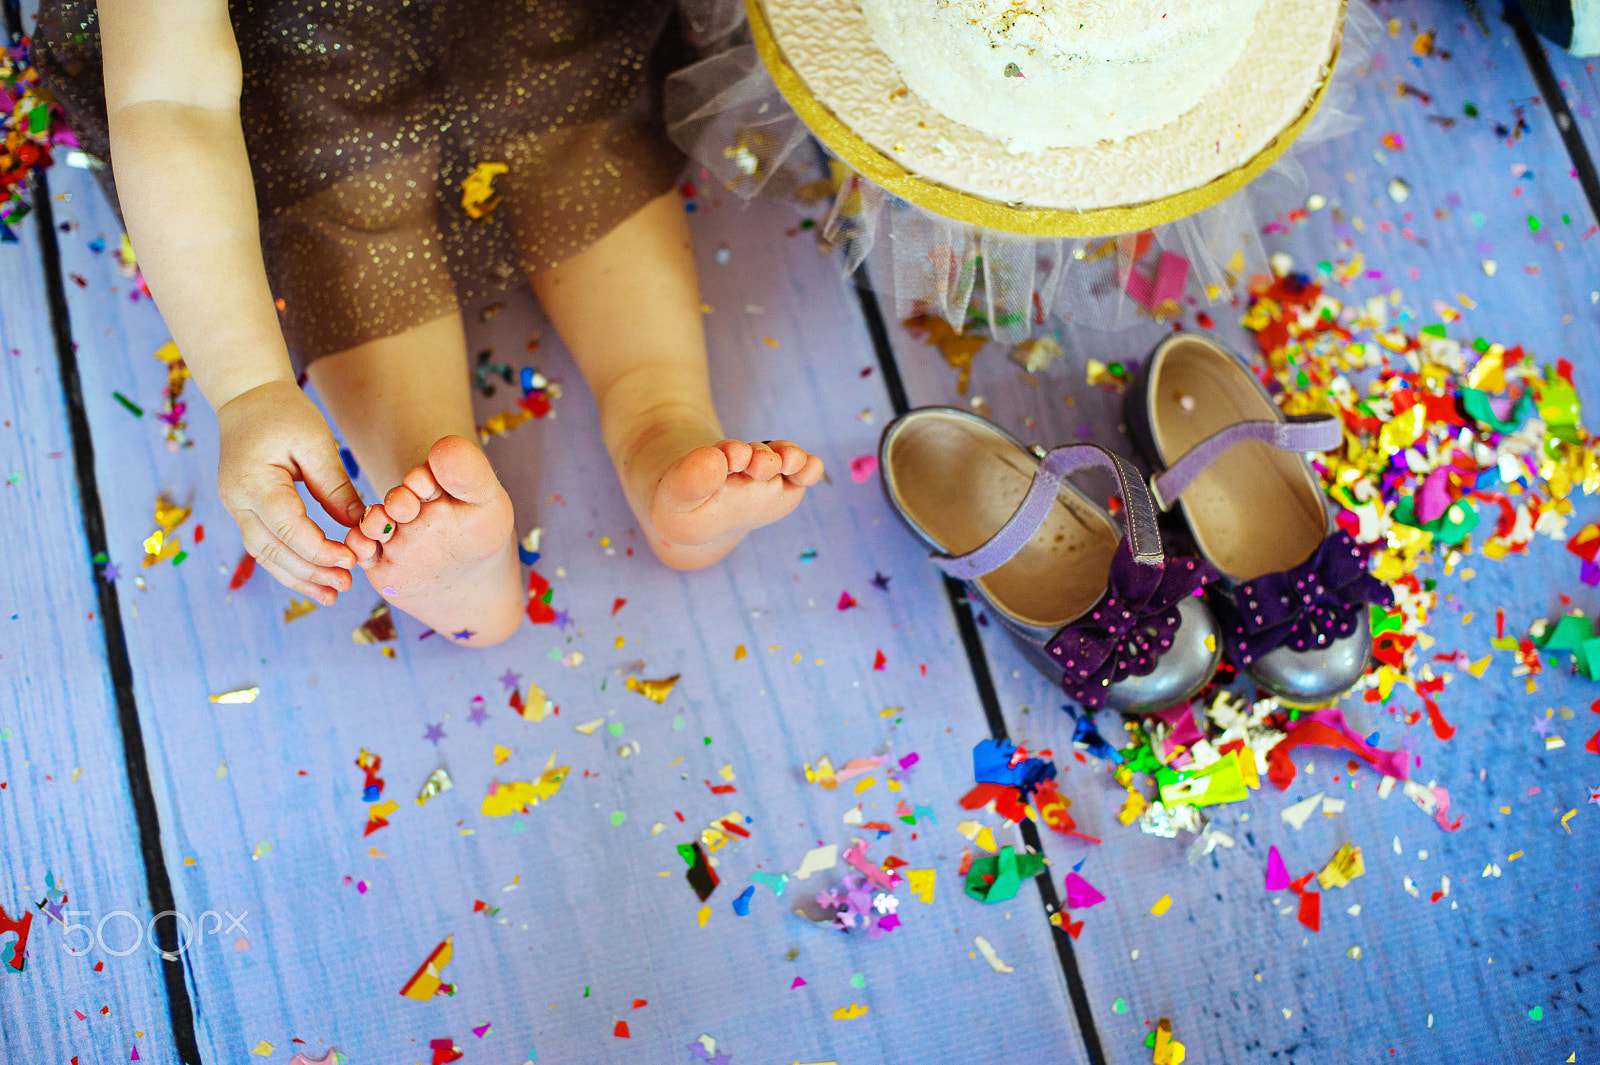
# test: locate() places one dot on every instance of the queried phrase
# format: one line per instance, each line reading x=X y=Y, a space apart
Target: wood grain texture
x=593 y=914
x=1478 y=961
x=65 y=808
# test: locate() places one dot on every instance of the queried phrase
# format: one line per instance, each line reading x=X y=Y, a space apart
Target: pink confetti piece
x=1277 y=872
x=1081 y=894
x=863 y=467
x=799 y=981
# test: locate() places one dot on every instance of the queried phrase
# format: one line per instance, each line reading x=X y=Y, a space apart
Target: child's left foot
x=697 y=497
x=440 y=547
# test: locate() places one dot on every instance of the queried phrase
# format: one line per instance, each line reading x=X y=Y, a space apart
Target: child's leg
x=448 y=555
x=629 y=309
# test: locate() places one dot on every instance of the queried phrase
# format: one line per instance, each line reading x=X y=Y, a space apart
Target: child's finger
x=324 y=473
x=284 y=514
x=269 y=550
x=320 y=593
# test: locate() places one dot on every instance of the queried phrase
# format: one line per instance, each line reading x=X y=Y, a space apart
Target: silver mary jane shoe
x=1294 y=595
x=1110 y=617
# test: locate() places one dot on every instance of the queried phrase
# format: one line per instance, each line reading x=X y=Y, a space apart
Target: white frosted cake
x=1039 y=74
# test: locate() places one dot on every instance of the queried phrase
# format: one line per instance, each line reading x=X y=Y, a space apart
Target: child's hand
x=272 y=436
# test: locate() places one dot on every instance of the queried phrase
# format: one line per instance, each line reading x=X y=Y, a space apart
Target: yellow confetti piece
x=1568 y=816
x=239 y=695
x=297 y=609
x=986 y=839
x=262 y=849
x=1163 y=904
x=726 y=772
x=654 y=690
x=849 y=1013
x=536 y=705
x=1343 y=867
x=1132 y=807
x=588 y=727
x=478 y=197
x=428 y=980
x=864 y=783
x=703 y=916
x=1477 y=668
x=1168 y=1051
x=920 y=882
x=518 y=796
x=263 y=1049
x=739 y=653
x=190 y=861
x=968 y=829
x=1554 y=743
x=769 y=342
x=1513 y=856
x=989 y=955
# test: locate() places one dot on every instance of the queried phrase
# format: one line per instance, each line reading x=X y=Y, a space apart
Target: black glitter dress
x=363 y=117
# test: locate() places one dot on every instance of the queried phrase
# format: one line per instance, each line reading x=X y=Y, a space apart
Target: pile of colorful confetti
x=30 y=124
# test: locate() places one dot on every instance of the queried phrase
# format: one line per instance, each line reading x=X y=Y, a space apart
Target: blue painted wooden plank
x=1468 y=202
x=592 y=914
x=1579 y=80
x=65 y=810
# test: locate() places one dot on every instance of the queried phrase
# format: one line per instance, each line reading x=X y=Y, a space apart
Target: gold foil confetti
x=438 y=783
x=239 y=695
x=654 y=690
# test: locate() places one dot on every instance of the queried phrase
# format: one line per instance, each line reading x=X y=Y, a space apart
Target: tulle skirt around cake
x=727 y=114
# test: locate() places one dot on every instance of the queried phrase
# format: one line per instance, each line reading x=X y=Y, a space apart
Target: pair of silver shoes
x=1102 y=608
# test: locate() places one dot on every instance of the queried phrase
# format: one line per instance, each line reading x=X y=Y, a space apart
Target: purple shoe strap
x=1304 y=432
x=1144 y=540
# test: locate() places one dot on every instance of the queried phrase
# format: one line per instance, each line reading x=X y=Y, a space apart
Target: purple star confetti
x=1541 y=726
x=510 y=680
x=434 y=734
x=880 y=582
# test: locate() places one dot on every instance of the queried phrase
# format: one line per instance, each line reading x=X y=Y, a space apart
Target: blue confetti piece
x=741 y=905
x=1372 y=740
x=528 y=557
x=776 y=881
x=808 y=556
x=348 y=458
x=370 y=794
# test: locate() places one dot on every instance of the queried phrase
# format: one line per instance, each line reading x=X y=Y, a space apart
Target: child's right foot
x=441 y=547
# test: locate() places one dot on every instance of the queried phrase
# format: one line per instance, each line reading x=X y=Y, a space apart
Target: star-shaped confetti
x=880 y=582
x=1541 y=726
x=719 y=1058
x=1594 y=796
x=464 y=634
x=510 y=680
x=434 y=734
x=562 y=620
x=478 y=715
x=111 y=571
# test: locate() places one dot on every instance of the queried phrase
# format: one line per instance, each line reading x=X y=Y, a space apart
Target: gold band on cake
x=986 y=213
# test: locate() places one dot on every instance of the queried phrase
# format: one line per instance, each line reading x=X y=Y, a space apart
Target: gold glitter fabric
x=364 y=119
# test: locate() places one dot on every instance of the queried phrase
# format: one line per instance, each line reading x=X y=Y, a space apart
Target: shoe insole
x=1255 y=509
x=960 y=481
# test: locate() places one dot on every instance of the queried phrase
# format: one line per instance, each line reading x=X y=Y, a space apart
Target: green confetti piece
x=179 y=557
x=1536 y=1014
x=615 y=728
x=1120 y=1006
x=129 y=405
x=858 y=981
x=618 y=816
x=1470 y=110
x=1533 y=224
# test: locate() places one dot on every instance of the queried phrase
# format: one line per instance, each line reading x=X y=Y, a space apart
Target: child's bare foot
x=697 y=497
x=441 y=547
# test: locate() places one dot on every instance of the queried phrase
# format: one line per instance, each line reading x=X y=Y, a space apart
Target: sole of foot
x=441 y=547
x=710 y=496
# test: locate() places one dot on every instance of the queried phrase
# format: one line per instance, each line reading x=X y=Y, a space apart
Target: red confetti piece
x=621 y=1030
x=199 y=534
x=640 y=1002
x=616 y=605
x=242 y=573
x=1311 y=911
x=878 y=661
x=721 y=789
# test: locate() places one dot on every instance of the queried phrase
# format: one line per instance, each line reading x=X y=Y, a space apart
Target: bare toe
x=423 y=484
x=694 y=478
x=765 y=464
x=377 y=525
x=402 y=504
x=462 y=469
x=793 y=455
x=738 y=454
x=809 y=473
x=364 y=546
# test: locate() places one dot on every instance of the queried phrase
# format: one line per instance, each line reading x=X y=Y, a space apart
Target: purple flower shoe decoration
x=1052 y=566
x=1128 y=631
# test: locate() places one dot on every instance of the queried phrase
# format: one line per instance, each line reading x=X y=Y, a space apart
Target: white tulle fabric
x=725 y=112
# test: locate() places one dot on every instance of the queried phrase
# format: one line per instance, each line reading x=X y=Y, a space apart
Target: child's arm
x=173 y=80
